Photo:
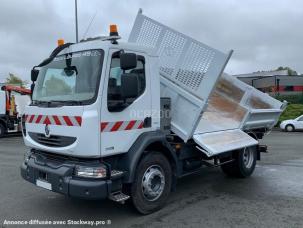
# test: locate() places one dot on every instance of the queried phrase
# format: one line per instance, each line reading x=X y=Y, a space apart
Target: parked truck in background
x=125 y=120
x=13 y=100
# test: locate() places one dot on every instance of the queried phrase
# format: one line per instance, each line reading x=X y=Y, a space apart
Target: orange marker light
x=113 y=30
x=60 y=42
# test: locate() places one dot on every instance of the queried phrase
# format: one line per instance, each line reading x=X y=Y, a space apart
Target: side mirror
x=128 y=61
x=34 y=75
x=129 y=85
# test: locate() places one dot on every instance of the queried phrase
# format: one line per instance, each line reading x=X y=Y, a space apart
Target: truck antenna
x=89 y=25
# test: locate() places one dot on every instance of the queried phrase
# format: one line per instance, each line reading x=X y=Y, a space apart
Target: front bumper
x=59 y=174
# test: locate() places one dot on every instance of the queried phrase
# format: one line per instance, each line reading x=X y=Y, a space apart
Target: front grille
x=53 y=140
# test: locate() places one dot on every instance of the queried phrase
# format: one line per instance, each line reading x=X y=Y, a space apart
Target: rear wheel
x=152 y=183
x=243 y=165
x=289 y=128
x=2 y=130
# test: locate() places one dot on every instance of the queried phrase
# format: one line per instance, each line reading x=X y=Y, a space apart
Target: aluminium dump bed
x=214 y=113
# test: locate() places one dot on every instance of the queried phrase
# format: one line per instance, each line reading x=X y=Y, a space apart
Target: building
x=274 y=82
x=251 y=77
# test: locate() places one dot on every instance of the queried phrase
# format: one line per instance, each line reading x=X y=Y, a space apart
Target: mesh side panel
x=188 y=70
x=195 y=64
x=145 y=38
x=188 y=63
x=170 y=51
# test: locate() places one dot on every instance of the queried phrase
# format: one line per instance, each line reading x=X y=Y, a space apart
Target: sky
x=264 y=34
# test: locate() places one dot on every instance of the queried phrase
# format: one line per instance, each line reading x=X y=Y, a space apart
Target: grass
x=292 y=111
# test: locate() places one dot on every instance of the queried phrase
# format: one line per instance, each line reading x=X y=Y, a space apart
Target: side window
x=300 y=119
x=116 y=102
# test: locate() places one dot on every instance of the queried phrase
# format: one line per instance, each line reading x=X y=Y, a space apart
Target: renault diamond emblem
x=47 y=131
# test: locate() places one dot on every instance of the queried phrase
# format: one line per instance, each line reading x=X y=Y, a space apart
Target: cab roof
x=106 y=45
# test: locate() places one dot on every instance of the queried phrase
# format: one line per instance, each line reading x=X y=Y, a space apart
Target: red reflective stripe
x=116 y=126
x=31 y=118
x=67 y=121
x=38 y=119
x=103 y=125
x=141 y=125
x=47 y=121
x=130 y=125
x=56 y=119
x=78 y=119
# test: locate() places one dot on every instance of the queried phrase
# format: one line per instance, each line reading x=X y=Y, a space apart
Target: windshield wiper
x=68 y=102
x=46 y=103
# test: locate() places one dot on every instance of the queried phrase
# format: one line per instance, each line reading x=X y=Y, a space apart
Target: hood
x=63 y=130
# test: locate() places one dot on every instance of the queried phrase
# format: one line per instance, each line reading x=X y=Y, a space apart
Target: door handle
x=147 y=122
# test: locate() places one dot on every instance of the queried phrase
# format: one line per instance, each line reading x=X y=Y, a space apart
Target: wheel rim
x=153 y=182
x=248 y=158
x=289 y=128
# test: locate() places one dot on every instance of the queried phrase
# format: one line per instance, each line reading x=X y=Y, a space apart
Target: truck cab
x=91 y=106
x=86 y=84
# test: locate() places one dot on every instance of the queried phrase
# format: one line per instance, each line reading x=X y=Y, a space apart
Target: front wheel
x=152 y=184
x=243 y=165
x=289 y=128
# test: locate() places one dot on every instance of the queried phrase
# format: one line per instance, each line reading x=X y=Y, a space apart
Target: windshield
x=72 y=77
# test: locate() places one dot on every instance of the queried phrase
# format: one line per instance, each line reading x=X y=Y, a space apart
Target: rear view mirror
x=34 y=75
x=128 y=61
x=70 y=71
x=129 y=85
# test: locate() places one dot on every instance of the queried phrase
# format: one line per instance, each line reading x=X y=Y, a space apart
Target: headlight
x=91 y=172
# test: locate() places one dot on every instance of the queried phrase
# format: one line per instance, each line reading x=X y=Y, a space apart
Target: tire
x=152 y=184
x=243 y=165
x=2 y=130
x=289 y=128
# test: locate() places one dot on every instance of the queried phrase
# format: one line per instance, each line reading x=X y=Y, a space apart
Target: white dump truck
x=125 y=120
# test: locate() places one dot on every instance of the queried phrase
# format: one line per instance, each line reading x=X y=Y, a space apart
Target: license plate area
x=44 y=184
x=42 y=181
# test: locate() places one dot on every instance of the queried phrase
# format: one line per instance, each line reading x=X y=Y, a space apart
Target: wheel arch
x=149 y=141
x=289 y=124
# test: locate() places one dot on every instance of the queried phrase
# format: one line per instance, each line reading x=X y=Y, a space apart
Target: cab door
x=124 y=119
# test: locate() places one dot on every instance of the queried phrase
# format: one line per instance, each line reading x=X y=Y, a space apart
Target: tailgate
x=222 y=141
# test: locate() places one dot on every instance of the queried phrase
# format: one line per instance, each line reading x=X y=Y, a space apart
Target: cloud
x=263 y=34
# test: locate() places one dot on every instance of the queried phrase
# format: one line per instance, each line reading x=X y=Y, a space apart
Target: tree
x=289 y=70
x=15 y=80
x=56 y=86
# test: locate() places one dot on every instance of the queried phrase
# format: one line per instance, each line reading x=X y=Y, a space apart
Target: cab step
x=118 y=197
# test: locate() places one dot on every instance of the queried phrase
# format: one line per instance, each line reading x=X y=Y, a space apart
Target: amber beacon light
x=60 y=42
x=113 y=30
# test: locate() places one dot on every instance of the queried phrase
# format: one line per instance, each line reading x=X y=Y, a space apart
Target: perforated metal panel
x=191 y=64
x=189 y=71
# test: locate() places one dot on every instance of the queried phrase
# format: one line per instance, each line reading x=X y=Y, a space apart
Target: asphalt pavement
x=271 y=197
